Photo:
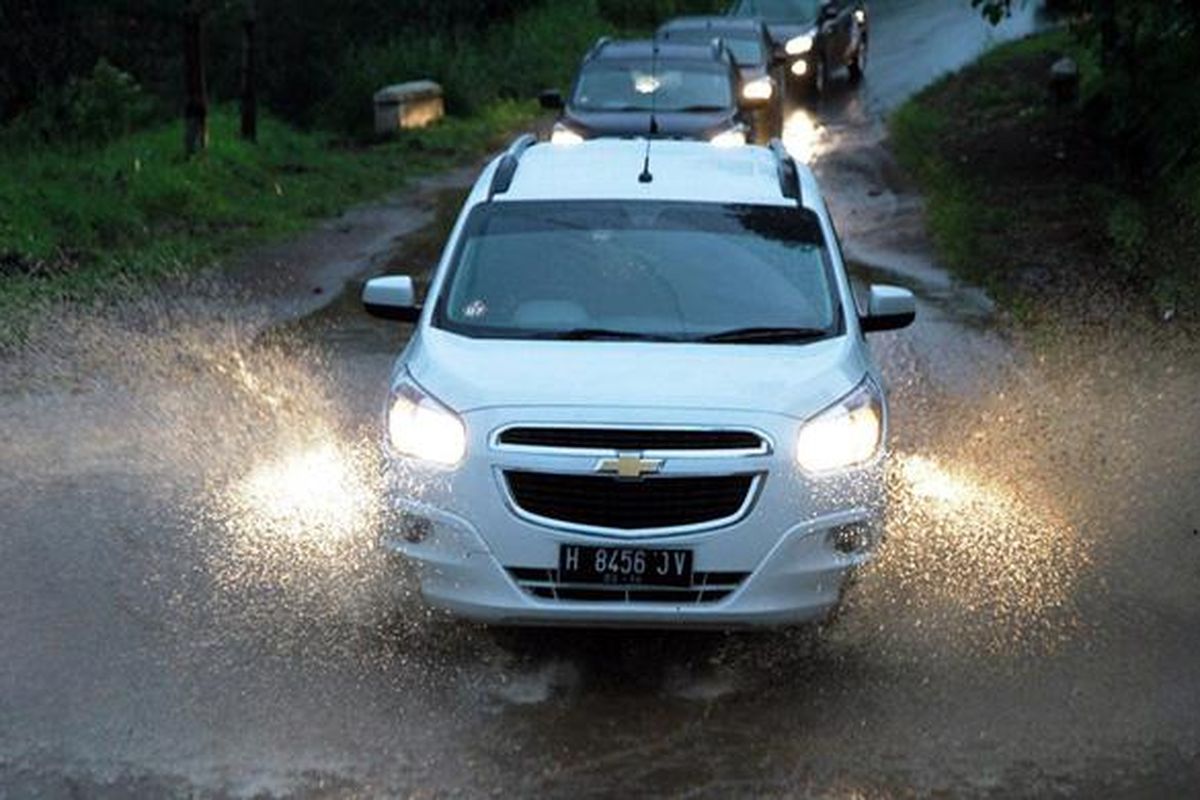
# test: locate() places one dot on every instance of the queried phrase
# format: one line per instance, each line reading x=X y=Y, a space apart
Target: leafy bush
x=99 y=108
x=106 y=104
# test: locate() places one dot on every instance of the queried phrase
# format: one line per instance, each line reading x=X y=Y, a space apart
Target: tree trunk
x=195 y=110
x=249 y=77
x=1106 y=17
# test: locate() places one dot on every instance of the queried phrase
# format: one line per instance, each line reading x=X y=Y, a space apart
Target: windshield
x=798 y=12
x=636 y=86
x=747 y=49
x=658 y=270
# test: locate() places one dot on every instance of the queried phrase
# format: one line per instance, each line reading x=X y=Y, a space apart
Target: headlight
x=421 y=427
x=758 y=89
x=860 y=16
x=799 y=45
x=734 y=137
x=800 y=67
x=847 y=434
x=564 y=135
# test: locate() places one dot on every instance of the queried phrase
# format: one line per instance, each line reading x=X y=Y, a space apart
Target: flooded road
x=190 y=602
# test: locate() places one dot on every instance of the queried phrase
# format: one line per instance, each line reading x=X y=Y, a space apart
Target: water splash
x=317 y=494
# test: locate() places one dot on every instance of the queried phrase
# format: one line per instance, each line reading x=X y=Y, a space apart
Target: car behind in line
x=658 y=90
x=760 y=64
x=818 y=36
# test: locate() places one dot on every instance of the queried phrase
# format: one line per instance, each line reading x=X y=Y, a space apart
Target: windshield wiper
x=616 y=109
x=766 y=335
x=584 y=334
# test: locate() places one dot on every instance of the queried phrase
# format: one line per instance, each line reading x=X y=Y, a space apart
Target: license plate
x=624 y=566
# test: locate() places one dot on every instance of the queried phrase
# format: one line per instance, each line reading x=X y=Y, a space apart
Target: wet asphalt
x=190 y=602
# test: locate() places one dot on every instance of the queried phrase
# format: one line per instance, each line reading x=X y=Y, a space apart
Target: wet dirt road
x=190 y=603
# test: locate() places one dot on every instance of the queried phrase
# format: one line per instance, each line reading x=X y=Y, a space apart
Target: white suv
x=637 y=394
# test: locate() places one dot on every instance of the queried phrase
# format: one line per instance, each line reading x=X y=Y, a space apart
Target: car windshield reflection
x=656 y=271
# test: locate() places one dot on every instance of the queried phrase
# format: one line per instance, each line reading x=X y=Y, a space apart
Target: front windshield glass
x=794 y=11
x=655 y=270
x=747 y=50
x=636 y=86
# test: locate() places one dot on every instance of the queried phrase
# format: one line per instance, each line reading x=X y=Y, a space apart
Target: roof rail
x=502 y=178
x=789 y=175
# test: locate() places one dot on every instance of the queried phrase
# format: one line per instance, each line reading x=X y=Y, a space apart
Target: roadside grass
x=1024 y=197
x=87 y=224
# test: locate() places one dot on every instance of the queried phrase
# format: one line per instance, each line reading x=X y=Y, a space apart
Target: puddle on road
x=290 y=488
x=268 y=448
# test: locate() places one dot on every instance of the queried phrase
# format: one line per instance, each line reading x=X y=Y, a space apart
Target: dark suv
x=647 y=88
x=759 y=63
x=818 y=36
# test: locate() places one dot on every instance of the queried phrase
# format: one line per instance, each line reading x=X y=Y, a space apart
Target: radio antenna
x=646 y=176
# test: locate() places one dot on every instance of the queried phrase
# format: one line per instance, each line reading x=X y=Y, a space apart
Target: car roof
x=609 y=169
x=719 y=25
x=644 y=49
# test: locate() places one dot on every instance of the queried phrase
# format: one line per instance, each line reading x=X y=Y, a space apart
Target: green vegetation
x=89 y=222
x=96 y=196
x=537 y=50
x=1045 y=204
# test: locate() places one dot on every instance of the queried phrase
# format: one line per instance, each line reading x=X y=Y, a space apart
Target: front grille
x=707 y=587
x=631 y=439
x=605 y=502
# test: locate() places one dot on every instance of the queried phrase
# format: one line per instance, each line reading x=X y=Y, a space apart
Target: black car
x=653 y=89
x=818 y=36
x=759 y=62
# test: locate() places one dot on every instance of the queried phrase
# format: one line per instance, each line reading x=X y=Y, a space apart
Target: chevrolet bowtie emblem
x=629 y=465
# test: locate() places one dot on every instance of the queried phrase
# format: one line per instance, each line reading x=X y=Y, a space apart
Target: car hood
x=750 y=72
x=782 y=31
x=473 y=374
x=671 y=124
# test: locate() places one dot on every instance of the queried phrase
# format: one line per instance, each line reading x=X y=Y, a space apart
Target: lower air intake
x=707 y=587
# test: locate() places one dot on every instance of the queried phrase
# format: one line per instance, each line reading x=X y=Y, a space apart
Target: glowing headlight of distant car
x=800 y=67
x=799 y=45
x=564 y=135
x=847 y=434
x=758 y=89
x=420 y=427
x=860 y=15
x=734 y=137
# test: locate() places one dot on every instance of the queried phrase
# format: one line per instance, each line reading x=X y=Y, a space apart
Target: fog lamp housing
x=855 y=538
x=413 y=529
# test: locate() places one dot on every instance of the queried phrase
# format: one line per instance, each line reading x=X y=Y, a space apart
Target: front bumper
x=474 y=549
x=798 y=580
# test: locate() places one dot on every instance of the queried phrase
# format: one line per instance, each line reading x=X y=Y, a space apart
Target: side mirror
x=889 y=308
x=551 y=100
x=391 y=297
